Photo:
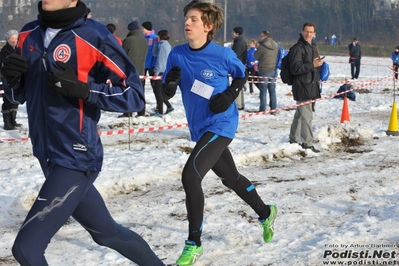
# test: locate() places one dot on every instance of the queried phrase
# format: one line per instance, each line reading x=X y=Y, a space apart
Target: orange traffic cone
x=345 y=111
x=393 y=122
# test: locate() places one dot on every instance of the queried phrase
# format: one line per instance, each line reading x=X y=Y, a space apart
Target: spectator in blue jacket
x=62 y=73
x=161 y=52
x=152 y=38
x=252 y=65
x=395 y=61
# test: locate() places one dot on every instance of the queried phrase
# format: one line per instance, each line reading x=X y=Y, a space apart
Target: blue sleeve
x=15 y=95
x=395 y=57
x=169 y=64
x=162 y=57
x=123 y=92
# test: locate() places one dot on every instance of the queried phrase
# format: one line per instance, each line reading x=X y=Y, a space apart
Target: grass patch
x=363 y=91
x=185 y=149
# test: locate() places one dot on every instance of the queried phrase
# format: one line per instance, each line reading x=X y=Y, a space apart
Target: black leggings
x=66 y=193
x=157 y=88
x=211 y=152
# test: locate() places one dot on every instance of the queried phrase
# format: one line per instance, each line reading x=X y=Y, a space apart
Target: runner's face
x=54 y=5
x=194 y=28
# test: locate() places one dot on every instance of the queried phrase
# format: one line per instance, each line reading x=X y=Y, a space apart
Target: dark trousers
x=157 y=88
x=355 y=68
x=395 y=68
x=66 y=193
x=150 y=72
x=211 y=152
x=251 y=81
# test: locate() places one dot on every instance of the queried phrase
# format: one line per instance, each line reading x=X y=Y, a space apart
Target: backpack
x=281 y=54
x=285 y=74
x=350 y=95
x=324 y=72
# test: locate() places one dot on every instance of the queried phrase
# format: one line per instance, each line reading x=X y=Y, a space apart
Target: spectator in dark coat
x=355 y=53
x=240 y=48
x=112 y=28
x=305 y=65
x=136 y=48
x=8 y=109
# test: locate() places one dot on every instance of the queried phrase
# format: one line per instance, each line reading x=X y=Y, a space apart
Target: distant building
x=17 y=7
x=383 y=8
x=13 y=13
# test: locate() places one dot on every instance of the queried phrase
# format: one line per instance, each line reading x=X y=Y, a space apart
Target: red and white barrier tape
x=243 y=116
x=151 y=77
x=364 y=62
x=140 y=130
x=278 y=80
x=14 y=139
x=365 y=84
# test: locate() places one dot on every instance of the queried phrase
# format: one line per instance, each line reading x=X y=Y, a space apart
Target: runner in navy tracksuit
x=62 y=75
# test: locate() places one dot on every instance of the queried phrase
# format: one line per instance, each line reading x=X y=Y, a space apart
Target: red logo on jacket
x=62 y=53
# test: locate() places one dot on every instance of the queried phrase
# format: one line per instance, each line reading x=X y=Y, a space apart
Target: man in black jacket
x=355 y=53
x=305 y=65
x=240 y=48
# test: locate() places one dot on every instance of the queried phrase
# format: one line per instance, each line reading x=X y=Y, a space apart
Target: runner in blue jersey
x=201 y=69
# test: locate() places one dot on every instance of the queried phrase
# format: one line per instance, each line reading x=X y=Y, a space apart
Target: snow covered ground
x=338 y=206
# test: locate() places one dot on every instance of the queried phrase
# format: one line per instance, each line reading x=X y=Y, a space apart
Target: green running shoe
x=191 y=252
x=268 y=224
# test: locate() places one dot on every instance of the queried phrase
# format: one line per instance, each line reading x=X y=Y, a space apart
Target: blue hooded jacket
x=64 y=130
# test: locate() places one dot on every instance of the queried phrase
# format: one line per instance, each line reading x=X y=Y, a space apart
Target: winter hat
x=147 y=25
x=397 y=47
x=134 y=25
x=238 y=30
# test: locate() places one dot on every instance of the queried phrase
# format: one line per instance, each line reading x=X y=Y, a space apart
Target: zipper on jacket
x=44 y=59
